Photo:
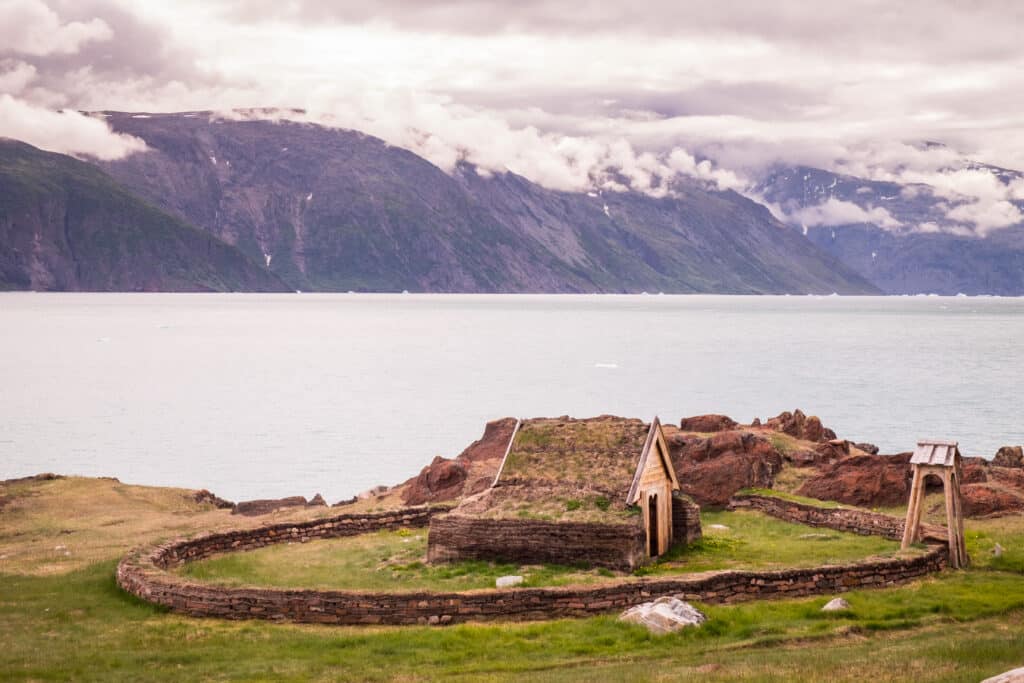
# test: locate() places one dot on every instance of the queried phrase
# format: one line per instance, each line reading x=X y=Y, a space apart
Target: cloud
x=67 y=132
x=986 y=216
x=572 y=96
x=837 y=212
x=29 y=27
x=15 y=76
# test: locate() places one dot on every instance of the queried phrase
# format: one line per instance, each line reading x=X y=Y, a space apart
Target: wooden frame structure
x=941 y=458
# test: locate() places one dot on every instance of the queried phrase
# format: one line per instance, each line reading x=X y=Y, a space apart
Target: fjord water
x=270 y=395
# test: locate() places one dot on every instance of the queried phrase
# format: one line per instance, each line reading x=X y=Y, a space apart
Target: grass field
x=394 y=560
x=73 y=623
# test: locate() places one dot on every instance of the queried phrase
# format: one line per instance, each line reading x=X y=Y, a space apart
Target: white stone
x=719 y=527
x=506 y=581
x=1014 y=676
x=998 y=550
x=836 y=605
x=664 y=615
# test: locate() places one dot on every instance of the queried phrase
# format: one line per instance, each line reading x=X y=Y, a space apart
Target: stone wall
x=685 y=519
x=199 y=547
x=530 y=541
x=841 y=519
x=143 y=573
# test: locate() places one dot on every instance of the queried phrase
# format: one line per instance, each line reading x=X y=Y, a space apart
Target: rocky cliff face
x=904 y=257
x=330 y=210
x=65 y=225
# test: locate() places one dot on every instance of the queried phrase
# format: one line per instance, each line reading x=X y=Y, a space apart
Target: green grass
x=59 y=624
x=382 y=561
x=956 y=626
x=756 y=541
x=792 y=497
x=393 y=560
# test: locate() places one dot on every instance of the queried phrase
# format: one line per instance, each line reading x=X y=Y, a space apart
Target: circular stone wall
x=144 y=572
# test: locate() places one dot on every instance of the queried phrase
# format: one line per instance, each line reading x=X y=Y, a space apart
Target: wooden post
x=910 y=527
x=952 y=524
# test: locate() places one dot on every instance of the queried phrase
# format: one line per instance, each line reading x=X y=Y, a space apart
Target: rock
x=508 y=581
x=707 y=423
x=798 y=425
x=1012 y=676
x=836 y=605
x=373 y=493
x=470 y=473
x=718 y=466
x=204 y=497
x=829 y=452
x=986 y=499
x=317 y=501
x=863 y=480
x=869 y=448
x=997 y=551
x=975 y=471
x=252 y=508
x=442 y=479
x=664 y=615
x=720 y=527
x=813 y=429
x=347 y=501
x=1009 y=456
x=756 y=422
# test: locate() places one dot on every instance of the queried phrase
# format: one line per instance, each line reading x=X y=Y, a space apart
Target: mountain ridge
x=335 y=210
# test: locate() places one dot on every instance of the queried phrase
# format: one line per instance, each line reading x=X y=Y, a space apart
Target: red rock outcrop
x=711 y=469
x=863 y=480
x=469 y=473
x=986 y=499
x=707 y=423
x=1009 y=456
x=798 y=425
x=442 y=479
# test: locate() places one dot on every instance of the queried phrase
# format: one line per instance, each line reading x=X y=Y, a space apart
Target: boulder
x=1012 y=676
x=831 y=451
x=836 y=605
x=863 y=480
x=813 y=429
x=204 y=497
x=252 y=508
x=664 y=615
x=718 y=466
x=868 y=448
x=798 y=425
x=507 y=581
x=985 y=499
x=707 y=423
x=1009 y=456
x=442 y=479
x=975 y=471
x=317 y=501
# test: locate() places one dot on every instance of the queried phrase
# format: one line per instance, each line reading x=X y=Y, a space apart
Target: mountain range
x=911 y=248
x=217 y=204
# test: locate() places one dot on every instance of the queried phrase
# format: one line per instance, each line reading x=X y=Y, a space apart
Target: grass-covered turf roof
x=598 y=452
x=567 y=469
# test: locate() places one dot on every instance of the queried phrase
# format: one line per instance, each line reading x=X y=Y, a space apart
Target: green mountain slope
x=66 y=225
x=334 y=210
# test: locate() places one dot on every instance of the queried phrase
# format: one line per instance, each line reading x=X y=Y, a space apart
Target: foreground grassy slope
x=72 y=622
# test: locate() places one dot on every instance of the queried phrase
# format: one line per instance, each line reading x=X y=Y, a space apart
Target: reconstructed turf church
x=599 y=491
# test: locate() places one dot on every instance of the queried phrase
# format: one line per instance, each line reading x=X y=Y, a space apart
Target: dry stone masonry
x=143 y=572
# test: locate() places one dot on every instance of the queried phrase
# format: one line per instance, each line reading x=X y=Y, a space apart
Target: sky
x=562 y=93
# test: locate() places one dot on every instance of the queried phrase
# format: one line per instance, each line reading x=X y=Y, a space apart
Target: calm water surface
x=270 y=395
